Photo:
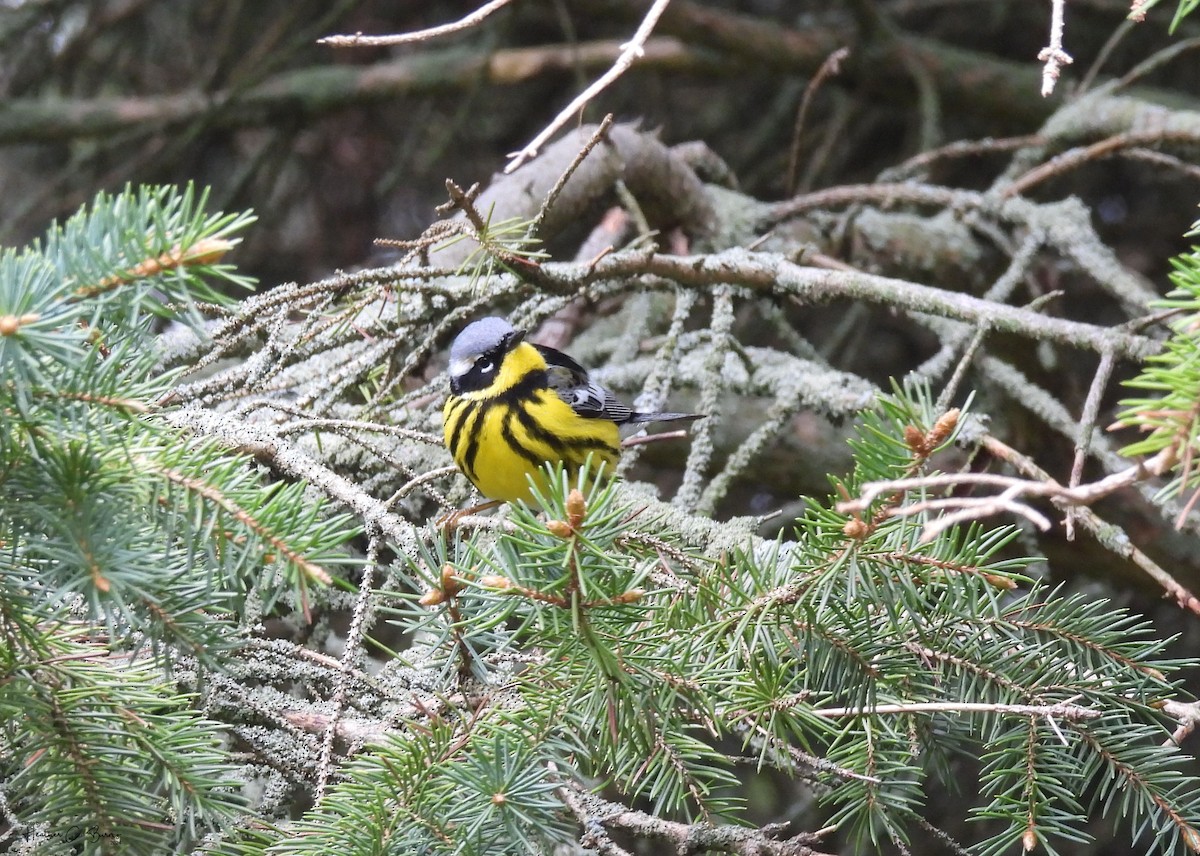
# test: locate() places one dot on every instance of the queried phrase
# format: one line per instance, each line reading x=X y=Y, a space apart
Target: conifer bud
x=631 y=596
x=943 y=428
x=915 y=440
x=207 y=251
x=855 y=528
x=10 y=324
x=450 y=584
x=559 y=528
x=576 y=508
x=1192 y=837
x=1000 y=582
x=495 y=581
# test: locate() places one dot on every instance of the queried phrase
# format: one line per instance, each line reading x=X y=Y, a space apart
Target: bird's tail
x=636 y=418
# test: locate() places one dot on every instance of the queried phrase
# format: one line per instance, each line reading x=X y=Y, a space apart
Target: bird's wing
x=573 y=385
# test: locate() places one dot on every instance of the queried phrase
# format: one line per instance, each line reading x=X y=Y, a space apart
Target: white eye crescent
x=484 y=366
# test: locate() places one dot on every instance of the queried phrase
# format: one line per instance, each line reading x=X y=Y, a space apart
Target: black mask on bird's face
x=468 y=374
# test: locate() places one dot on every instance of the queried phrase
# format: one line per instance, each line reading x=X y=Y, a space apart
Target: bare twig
x=1071 y=712
x=1162 y=159
x=1186 y=714
x=350 y=655
x=630 y=51
x=771 y=840
x=642 y=439
x=359 y=40
x=1154 y=62
x=600 y=133
x=1111 y=537
x=959 y=149
x=969 y=509
x=1087 y=424
x=1075 y=157
x=1047 y=487
x=831 y=66
x=1054 y=56
x=1009 y=500
x=1000 y=291
x=1125 y=28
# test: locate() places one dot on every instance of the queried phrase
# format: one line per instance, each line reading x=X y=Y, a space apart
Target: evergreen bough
x=591 y=647
x=126 y=546
x=607 y=664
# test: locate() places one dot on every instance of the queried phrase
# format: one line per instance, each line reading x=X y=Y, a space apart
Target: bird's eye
x=485 y=366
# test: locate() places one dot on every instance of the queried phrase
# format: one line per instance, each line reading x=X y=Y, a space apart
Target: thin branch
x=1000 y=292
x=600 y=134
x=829 y=68
x=1154 y=62
x=1163 y=159
x=977 y=508
x=1075 y=157
x=1102 y=56
x=959 y=149
x=1111 y=537
x=319 y=89
x=350 y=656
x=1186 y=714
x=1087 y=424
x=359 y=40
x=768 y=273
x=1072 y=712
x=770 y=840
x=802 y=761
x=1085 y=494
x=642 y=439
x=969 y=509
x=630 y=51
x=1054 y=56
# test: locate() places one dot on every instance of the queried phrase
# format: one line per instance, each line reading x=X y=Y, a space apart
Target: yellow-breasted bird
x=513 y=406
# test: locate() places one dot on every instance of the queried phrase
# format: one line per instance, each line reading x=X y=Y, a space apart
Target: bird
x=514 y=406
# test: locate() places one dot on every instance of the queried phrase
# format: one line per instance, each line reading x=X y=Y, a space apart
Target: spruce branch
x=1171 y=419
x=308 y=569
x=591 y=810
x=127 y=550
x=875 y=656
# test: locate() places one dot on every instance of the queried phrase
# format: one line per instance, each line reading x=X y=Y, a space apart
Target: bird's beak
x=515 y=338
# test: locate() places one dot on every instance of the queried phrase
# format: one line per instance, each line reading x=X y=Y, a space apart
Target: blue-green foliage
x=1168 y=414
x=857 y=655
x=124 y=544
x=1185 y=8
